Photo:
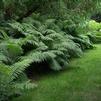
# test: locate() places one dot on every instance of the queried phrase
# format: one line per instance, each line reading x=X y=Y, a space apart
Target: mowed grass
x=80 y=82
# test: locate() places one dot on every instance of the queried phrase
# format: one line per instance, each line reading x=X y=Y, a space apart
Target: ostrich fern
x=9 y=84
x=46 y=44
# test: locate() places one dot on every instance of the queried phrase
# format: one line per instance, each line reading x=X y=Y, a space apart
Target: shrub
x=93 y=25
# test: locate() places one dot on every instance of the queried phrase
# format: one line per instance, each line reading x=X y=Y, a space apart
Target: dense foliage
x=30 y=34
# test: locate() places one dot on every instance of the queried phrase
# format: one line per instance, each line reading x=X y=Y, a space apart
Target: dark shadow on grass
x=36 y=71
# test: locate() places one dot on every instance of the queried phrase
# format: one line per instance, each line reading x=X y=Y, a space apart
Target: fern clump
x=33 y=42
x=48 y=43
x=9 y=82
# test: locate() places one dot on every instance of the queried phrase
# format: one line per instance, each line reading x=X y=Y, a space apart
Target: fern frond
x=54 y=65
x=25 y=85
x=16 y=26
x=19 y=68
x=3 y=35
x=39 y=56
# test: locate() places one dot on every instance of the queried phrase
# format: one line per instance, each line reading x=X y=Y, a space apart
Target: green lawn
x=80 y=82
